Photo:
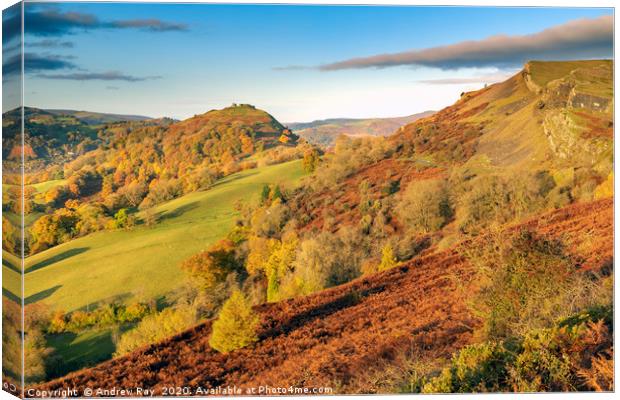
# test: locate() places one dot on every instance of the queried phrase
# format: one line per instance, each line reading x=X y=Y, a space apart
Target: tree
x=235 y=326
x=276 y=193
x=10 y=236
x=388 y=260
x=211 y=267
x=121 y=219
x=157 y=327
x=311 y=160
x=264 y=195
x=425 y=206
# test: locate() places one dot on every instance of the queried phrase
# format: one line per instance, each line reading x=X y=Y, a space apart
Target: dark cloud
x=578 y=39
x=154 y=25
x=36 y=63
x=50 y=43
x=99 y=76
x=50 y=21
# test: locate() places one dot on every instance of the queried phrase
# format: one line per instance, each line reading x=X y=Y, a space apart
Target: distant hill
x=324 y=132
x=97 y=118
x=49 y=138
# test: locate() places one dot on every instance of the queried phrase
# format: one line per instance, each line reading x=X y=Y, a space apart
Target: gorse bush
x=235 y=326
x=524 y=282
x=564 y=357
x=476 y=368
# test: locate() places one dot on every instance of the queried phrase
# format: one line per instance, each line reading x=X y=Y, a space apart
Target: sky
x=299 y=63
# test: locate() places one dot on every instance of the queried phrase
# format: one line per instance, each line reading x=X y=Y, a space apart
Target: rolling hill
x=121 y=264
x=532 y=153
x=342 y=336
x=324 y=132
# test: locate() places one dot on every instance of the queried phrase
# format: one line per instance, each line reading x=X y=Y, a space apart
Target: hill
x=324 y=132
x=97 y=118
x=345 y=336
x=485 y=225
x=550 y=114
x=49 y=138
x=88 y=270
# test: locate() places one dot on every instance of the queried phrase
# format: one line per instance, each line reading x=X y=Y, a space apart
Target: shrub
x=560 y=358
x=425 y=206
x=156 y=327
x=235 y=326
x=525 y=281
x=476 y=368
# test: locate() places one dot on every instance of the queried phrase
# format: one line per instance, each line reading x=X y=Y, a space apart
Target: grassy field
x=47 y=185
x=144 y=262
x=11 y=279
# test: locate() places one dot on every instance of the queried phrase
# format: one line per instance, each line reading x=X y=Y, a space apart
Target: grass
x=544 y=72
x=11 y=278
x=29 y=219
x=47 y=185
x=76 y=351
x=41 y=187
x=144 y=262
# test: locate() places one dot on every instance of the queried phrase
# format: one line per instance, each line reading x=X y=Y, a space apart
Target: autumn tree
x=388 y=260
x=10 y=236
x=311 y=160
x=425 y=206
x=211 y=267
x=235 y=326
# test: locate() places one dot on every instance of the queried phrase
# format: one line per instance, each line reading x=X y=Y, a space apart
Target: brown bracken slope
x=337 y=337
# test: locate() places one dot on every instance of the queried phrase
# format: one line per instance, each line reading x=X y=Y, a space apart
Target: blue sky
x=297 y=62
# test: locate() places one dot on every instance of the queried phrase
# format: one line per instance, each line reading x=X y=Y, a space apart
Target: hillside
x=342 y=336
x=86 y=271
x=550 y=114
x=97 y=118
x=324 y=132
x=49 y=138
x=456 y=243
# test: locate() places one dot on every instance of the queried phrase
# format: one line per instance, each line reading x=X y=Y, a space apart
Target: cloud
x=99 y=76
x=112 y=87
x=49 y=21
x=50 y=43
x=583 y=38
x=154 y=25
x=491 y=78
x=36 y=63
